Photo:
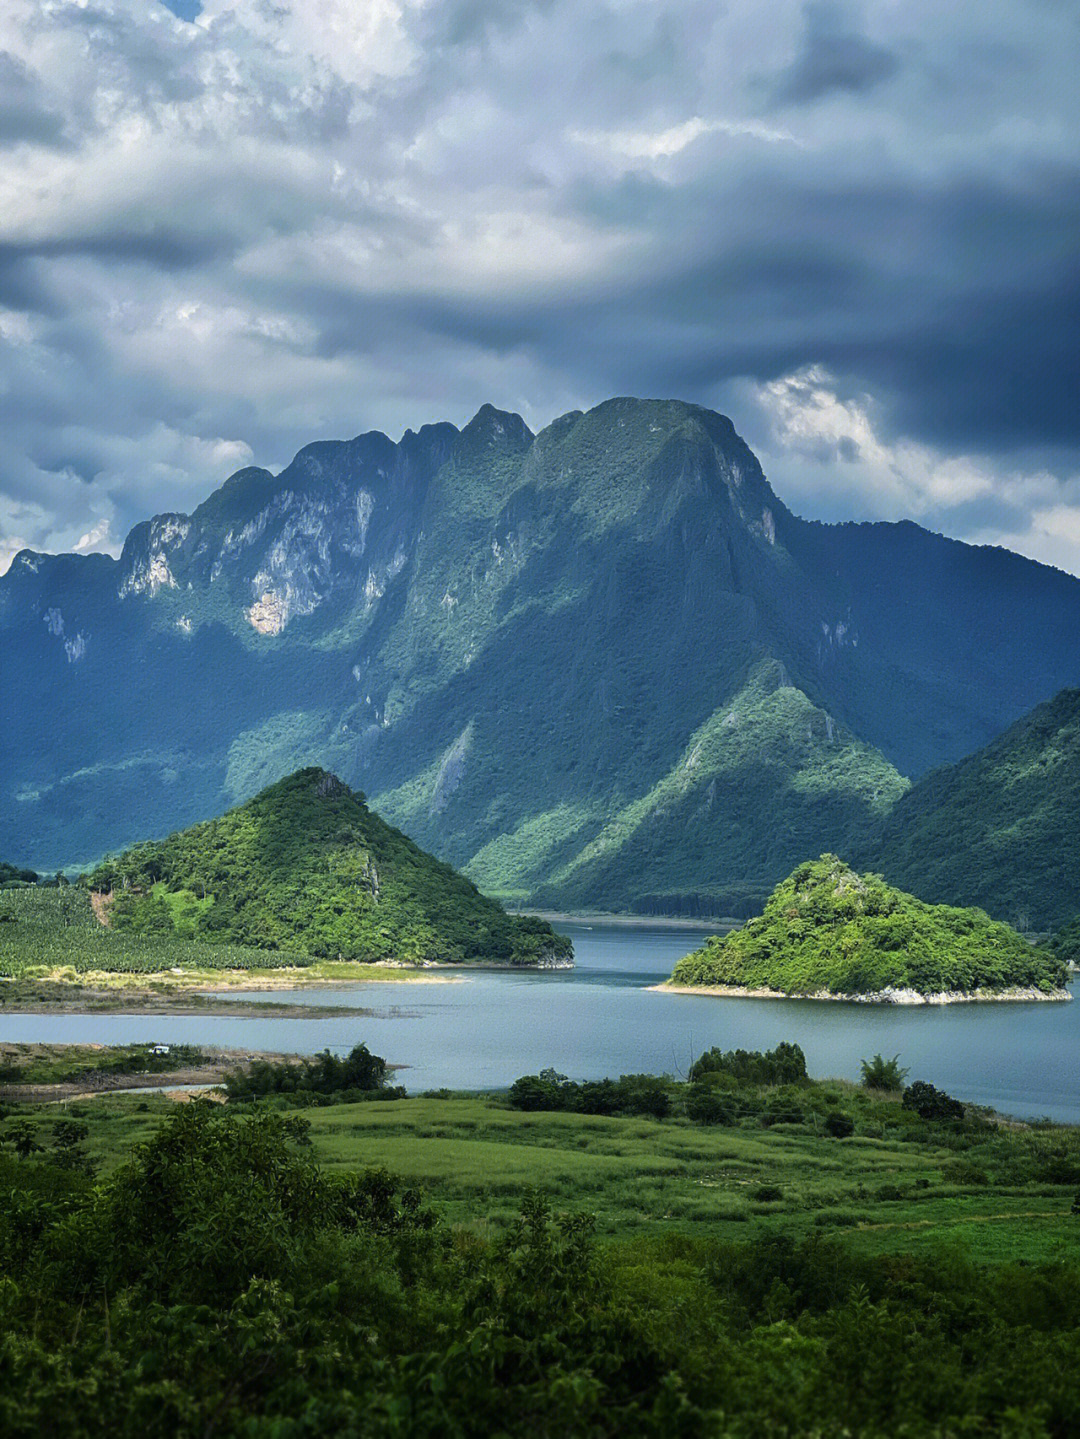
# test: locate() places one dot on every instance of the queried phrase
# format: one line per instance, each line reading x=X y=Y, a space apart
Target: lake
x=600 y=1019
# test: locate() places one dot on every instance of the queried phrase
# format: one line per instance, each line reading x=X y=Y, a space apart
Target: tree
x=69 y=1136
x=705 y=1105
x=884 y=1074
x=22 y=1138
x=931 y=1103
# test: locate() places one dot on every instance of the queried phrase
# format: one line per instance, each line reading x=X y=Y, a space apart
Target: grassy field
x=474 y=1156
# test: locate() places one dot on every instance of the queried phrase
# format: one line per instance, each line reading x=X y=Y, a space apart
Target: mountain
x=308 y=868
x=829 y=932
x=1000 y=829
x=601 y=666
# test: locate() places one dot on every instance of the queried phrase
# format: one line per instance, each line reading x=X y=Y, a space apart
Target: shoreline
x=632 y=921
x=93 y=1083
x=900 y=997
x=195 y=991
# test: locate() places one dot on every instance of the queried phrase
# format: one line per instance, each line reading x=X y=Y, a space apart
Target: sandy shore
x=881 y=996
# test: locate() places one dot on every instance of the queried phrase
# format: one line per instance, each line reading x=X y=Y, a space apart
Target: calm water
x=600 y=1019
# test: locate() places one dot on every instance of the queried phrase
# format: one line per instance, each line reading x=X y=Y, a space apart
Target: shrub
x=630 y=1094
x=962 y=1171
x=783 y=1107
x=767 y=1193
x=931 y=1103
x=326 y=1074
x=884 y=1074
x=839 y=1125
x=705 y=1106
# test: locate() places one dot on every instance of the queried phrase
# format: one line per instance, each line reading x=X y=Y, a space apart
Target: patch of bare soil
x=101 y=904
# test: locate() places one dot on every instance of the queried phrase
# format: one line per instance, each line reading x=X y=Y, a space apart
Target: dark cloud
x=833 y=58
x=286 y=221
x=25 y=117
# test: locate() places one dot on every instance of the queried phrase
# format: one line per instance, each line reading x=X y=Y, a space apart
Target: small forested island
x=830 y=933
x=307 y=869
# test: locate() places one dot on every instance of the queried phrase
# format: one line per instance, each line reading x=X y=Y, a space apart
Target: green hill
x=828 y=930
x=307 y=868
x=1001 y=828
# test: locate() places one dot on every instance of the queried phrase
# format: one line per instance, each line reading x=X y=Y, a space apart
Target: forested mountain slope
x=601 y=665
x=1001 y=829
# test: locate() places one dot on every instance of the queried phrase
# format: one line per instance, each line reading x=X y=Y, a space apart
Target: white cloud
x=1052 y=537
x=824 y=452
x=97 y=540
x=9 y=548
x=661 y=144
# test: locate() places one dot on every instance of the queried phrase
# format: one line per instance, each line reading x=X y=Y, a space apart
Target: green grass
x=473 y=1156
x=641 y=1174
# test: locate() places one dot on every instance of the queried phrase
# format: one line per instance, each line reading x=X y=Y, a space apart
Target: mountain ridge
x=509 y=641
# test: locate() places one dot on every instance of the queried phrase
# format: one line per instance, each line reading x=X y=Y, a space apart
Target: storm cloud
x=228 y=229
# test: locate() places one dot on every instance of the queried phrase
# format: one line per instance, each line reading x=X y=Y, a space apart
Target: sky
x=233 y=227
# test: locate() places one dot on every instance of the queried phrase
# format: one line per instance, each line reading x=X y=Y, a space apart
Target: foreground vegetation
x=305 y=867
x=828 y=930
x=539 y=1273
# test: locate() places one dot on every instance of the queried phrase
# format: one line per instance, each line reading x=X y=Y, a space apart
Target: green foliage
x=642 y=1094
x=221 y=1282
x=883 y=1074
x=55 y=931
x=12 y=877
x=326 y=1074
x=998 y=829
x=931 y=1103
x=826 y=929
x=707 y=1105
x=1065 y=944
x=786 y=1064
x=306 y=867
x=839 y=1125
x=22 y=1136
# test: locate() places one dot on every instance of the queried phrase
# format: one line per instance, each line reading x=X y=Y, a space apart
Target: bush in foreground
x=221 y=1284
